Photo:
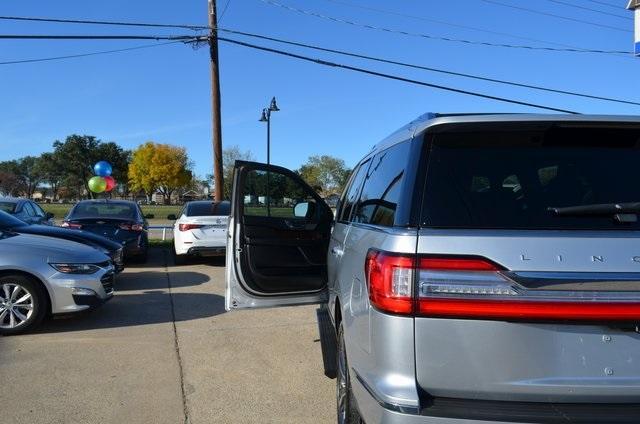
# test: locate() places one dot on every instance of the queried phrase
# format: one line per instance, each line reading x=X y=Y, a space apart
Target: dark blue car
x=25 y=210
x=119 y=220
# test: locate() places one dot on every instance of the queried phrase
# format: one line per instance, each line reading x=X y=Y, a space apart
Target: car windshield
x=10 y=221
x=209 y=209
x=103 y=210
x=8 y=207
x=512 y=179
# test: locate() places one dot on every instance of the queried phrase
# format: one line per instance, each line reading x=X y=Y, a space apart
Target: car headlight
x=76 y=268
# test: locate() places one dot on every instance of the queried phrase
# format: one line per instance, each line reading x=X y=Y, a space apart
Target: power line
x=605 y=4
x=431 y=69
x=432 y=37
x=97 y=37
x=116 y=23
x=566 y=18
x=224 y=10
x=589 y=9
x=73 y=56
x=451 y=24
x=392 y=77
x=200 y=27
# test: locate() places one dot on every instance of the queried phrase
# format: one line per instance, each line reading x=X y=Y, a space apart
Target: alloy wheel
x=16 y=305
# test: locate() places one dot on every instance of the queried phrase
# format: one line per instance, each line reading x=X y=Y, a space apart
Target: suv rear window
x=209 y=209
x=509 y=179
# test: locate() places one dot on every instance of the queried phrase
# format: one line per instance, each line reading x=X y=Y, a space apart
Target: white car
x=201 y=230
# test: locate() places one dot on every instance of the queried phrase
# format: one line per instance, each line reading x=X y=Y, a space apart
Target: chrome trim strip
x=397 y=407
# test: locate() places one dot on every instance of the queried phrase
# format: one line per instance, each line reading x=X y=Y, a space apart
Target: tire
x=29 y=304
x=346 y=407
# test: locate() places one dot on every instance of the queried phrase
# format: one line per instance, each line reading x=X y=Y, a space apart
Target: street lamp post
x=266 y=117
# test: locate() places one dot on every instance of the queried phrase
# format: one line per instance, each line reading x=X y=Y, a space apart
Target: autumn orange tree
x=159 y=168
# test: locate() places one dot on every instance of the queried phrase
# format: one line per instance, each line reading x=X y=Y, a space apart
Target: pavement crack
x=176 y=342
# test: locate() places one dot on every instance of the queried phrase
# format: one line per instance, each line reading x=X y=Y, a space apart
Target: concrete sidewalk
x=164 y=351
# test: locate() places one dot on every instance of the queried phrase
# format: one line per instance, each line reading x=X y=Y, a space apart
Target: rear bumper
x=450 y=411
x=207 y=251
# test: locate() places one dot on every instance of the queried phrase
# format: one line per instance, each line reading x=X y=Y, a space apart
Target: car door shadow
x=152 y=280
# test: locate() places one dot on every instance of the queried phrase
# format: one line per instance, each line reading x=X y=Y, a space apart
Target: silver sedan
x=43 y=275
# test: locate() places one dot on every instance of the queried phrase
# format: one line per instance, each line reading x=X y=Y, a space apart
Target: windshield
x=10 y=221
x=510 y=179
x=103 y=210
x=209 y=209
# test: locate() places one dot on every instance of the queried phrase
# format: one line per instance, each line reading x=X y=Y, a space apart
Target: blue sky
x=162 y=93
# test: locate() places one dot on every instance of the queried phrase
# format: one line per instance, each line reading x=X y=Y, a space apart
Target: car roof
x=430 y=120
x=203 y=202
x=12 y=199
x=114 y=202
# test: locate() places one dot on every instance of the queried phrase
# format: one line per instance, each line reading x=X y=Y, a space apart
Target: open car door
x=278 y=238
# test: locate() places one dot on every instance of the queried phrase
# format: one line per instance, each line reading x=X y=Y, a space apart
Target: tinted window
x=274 y=194
x=381 y=192
x=38 y=210
x=208 y=209
x=28 y=209
x=351 y=194
x=510 y=179
x=7 y=207
x=104 y=210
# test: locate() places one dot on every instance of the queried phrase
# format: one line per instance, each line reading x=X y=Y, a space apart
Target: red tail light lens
x=476 y=288
x=131 y=227
x=72 y=225
x=390 y=279
x=187 y=227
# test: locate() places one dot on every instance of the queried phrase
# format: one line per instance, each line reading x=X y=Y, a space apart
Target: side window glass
x=480 y=184
x=351 y=193
x=381 y=191
x=38 y=210
x=272 y=194
x=29 y=209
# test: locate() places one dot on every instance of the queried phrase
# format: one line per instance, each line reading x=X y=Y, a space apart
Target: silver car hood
x=54 y=249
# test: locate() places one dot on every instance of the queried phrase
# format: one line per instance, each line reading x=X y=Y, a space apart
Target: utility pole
x=635 y=6
x=215 y=103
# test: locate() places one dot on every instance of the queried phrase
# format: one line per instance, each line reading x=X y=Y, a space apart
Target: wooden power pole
x=215 y=103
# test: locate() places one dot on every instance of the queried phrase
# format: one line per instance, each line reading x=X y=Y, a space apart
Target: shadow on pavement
x=150 y=307
x=151 y=280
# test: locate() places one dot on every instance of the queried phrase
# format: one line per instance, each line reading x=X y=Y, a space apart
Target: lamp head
x=264 y=117
x=273 y=107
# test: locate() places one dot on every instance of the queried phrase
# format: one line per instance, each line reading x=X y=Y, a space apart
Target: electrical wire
x=273 y=3
x=431 y=69
x=73 y=56
x=566 y=18
x=96 y=37
x=432 y=37
x=451 y=24
x=226 y=6
x=392 y=77
x=605 y=4
x=589 y=9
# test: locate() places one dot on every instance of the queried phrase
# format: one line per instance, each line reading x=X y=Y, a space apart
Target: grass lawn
x=159 y=212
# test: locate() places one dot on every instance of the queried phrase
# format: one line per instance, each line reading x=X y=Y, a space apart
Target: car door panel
x=278 y=258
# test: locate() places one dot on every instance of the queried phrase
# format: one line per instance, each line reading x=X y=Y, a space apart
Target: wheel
x=23 y=304
x=346 y=403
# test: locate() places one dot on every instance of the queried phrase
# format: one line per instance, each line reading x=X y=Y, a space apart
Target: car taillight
x=131 y=227
x=476 y=288
x=187 y=227
x=71 y=225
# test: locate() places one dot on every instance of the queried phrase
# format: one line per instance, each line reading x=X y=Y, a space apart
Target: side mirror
x=172 y=217
x=301 y=210
x=49 y=215
x=149 y=216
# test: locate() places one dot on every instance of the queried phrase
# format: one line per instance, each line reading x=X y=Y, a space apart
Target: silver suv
x=480 y=268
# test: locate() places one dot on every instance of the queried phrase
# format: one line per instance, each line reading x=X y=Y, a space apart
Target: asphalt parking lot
x=165 y=351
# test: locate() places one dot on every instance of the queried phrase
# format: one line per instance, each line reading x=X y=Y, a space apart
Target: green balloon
x=97 y=184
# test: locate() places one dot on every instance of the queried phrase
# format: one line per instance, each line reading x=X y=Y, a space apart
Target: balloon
x=102 y=168
x=97 y=184
x=111 y=183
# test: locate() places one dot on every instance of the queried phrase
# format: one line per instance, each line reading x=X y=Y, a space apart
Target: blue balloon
x=102 y=168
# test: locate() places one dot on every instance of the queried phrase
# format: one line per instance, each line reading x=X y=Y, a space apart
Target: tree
x=229 y=157
x=77 y=155
x=9 y=183
x=159 y=167
x=326 y=173
x=21 y=177
x=51 y=171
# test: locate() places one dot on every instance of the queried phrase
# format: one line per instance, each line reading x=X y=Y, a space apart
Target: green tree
x=229 y=157
x=52 y=172
x=21 y=176
x=159 y=167
x=326 y=173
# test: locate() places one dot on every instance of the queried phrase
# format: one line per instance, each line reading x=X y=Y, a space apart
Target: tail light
x=131 y=227
x=187 y=227
x=72 y=225
x=476 y=288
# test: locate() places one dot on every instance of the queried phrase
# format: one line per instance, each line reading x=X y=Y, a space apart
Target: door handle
x=336 y=251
